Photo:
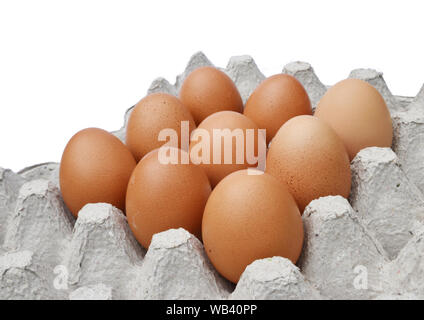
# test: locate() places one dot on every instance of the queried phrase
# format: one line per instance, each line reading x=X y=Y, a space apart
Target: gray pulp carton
x=366 y=248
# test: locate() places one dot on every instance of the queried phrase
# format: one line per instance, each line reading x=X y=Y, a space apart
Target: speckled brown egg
x=225 y=134
x=308 y=156
x=208 y=90
x=163 y=195
x=152 y=114
x=276 y=100
x=359 y=115
x=250 y=217
x=95 y=167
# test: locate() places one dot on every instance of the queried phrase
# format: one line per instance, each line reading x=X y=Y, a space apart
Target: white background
x=67 y=65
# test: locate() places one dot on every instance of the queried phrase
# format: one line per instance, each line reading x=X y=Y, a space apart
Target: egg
x=249 y=217
x=276 y=100
x=225 y=142
x=207 y=90
x=308 y=156
x=359 y=115
x=162 y=196
x=95 y=167
x=154 y=113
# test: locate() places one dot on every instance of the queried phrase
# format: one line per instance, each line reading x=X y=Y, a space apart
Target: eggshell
x=276 y=100
x=359 y=115
x=308 y=156
x=152 y=114
x=164 y=196
x=250 y=217
x=95 y=167
x=207 y=90
x=231 y=121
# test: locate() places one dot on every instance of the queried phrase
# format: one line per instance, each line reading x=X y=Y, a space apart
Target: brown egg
x=95 y=167
x=234 y=150
x=152 y=114
x=276 y=100
x=308 y=156
x=164 y=196
x=359 y=115
x=208 y=90
x=250 y=217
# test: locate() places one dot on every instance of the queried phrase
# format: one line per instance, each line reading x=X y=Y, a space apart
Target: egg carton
x=370 y=246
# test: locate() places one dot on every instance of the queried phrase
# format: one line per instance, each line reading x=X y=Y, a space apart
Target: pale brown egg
x=95 y=167
x=250 y=217
x=359 y=115
x=207 y=90
x=276 y=100
x=225 y=142
x=162 y=196
x=308 y=156
x=154 y=113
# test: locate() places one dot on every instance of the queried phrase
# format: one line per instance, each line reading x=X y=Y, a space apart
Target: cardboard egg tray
x=370 y=246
